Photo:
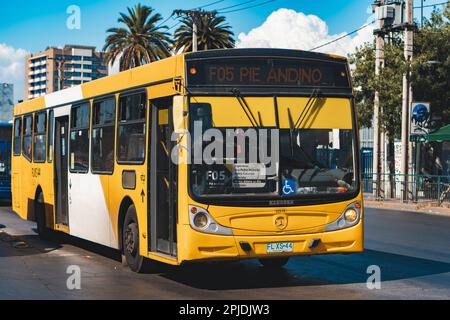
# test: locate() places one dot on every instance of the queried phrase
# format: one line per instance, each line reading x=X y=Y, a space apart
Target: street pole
x=194 y=35
x=407 y=97
x=379 y=63
x=59 y=66
x=196 y=16
x=421 y=14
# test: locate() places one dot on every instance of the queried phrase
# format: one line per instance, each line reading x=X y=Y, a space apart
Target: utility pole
x=59 y=66
x=194 y=37
x=379 y=64
x=407 y=96
x=421 y=14
x=196 y=16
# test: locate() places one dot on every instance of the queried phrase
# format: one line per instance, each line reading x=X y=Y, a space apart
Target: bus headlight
x=201 y=220
x=351 y=215
x=350 y=218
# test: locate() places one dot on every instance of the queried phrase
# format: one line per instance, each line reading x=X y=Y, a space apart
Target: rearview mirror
x=178 y=115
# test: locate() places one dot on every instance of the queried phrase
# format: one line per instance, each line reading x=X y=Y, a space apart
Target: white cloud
x=289 y=29
x=12 y=68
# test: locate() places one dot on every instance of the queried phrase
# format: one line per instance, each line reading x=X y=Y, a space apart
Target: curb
x=438 y=211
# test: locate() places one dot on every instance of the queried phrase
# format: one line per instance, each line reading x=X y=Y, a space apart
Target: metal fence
x=419 y=188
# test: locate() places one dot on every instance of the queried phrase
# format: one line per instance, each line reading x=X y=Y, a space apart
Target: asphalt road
x=411 y=249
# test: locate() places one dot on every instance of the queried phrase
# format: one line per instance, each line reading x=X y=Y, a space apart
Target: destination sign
x=267 y=72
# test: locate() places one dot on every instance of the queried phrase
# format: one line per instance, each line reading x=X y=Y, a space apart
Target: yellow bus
x=214 y=155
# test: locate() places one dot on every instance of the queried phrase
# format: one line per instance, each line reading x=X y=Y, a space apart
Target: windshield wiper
x=248 y=112
x=311 y=101
x=294 y=127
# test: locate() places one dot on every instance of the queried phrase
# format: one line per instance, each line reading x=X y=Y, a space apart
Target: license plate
x=277 y=247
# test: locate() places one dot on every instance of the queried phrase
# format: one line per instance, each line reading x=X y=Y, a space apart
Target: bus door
x=163 y=184
x=61 y=169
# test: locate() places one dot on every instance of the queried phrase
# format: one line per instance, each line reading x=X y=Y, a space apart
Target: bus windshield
x=271 y=147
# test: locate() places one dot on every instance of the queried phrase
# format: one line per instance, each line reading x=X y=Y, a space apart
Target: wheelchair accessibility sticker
x=289 y=187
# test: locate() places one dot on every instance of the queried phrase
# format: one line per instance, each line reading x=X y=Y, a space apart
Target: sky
x=32 y=25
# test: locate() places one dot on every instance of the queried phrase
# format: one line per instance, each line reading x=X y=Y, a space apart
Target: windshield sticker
x=249 y=175
x=289 y=187
x=308 y=190
x=335 y=139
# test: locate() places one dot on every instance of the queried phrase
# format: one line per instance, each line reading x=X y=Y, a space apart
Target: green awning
x=442 y=134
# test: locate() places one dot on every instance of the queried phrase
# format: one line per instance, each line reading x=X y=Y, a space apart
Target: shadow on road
x=305 y=271
x=24 y=245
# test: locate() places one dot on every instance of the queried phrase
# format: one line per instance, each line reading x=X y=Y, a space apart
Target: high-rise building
x=6 y=102
x=56 y=69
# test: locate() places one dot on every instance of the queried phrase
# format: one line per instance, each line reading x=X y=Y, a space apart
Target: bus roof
x=158 y=71
x=262 y=52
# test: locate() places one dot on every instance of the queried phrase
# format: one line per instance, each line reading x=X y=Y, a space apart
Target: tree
x=388 y=84
x=212 y=33
x=430 y=74
x=431 y=67
x=141 y=41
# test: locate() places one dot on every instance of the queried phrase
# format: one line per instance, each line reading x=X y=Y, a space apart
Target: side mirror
x=178 y=115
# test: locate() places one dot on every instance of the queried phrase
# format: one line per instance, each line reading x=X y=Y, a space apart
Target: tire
x=39 y=210
x=274 y=263
x=130 y=241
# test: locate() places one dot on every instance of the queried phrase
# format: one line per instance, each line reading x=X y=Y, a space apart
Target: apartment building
x=56 y=69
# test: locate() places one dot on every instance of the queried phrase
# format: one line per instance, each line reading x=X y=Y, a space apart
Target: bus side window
x=27 y=137
x=103 y=128
x=50 y=135
x=79 y=138
x=131 y=129
x=17 y=136
x=40 y=126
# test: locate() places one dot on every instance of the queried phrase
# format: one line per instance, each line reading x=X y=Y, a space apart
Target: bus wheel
x=130 y=241
x=274 y=262
x=39 y=210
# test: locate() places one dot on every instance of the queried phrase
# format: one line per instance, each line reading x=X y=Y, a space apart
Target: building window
x=132 y=128
x=50 y=135
x=40 y=127
x=27 y=136
x=17 y=131
x=79 y=139
x=103 y=128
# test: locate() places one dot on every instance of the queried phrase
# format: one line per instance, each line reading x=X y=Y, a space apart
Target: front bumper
x=201 y=246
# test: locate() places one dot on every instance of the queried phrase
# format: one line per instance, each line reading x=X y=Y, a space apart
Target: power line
x=342 y=37
x=165 y=21
x=236 y=5
x=176 y=24
x=249 y=7
x=201 y=7
x=210 y=4
x=432 y=5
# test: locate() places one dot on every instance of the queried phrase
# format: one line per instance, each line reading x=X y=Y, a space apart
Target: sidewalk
x=394 y=204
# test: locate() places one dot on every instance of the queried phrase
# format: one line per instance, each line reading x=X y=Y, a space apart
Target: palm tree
x=212 y=33
x=141 y=41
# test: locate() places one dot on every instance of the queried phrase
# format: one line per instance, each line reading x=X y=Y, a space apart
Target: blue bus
x=5 y=162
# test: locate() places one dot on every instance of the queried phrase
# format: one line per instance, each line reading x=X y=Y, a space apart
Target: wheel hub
x=131 y=239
